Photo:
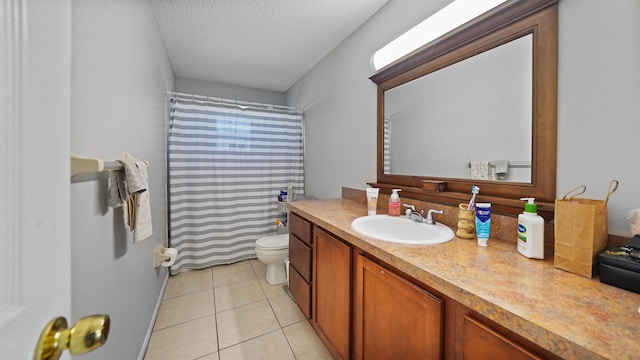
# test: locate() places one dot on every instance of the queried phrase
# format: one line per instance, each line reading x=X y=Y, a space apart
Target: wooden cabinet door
x=332 y=290
x=393 y=318
x=482 y=342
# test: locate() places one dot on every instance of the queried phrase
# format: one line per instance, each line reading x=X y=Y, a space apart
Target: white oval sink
x=399 y=229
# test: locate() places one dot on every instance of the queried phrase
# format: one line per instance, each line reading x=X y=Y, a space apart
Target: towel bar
x=83 y=165
x=512 y=164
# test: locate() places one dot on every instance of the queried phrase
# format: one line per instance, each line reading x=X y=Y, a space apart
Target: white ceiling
x=263 y=44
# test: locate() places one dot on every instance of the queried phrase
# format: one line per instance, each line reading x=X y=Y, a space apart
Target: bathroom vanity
x=370 y=299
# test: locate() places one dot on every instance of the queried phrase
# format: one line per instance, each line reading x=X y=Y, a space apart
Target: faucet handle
x=409 y=206
x=429 y=218
x=412 y=209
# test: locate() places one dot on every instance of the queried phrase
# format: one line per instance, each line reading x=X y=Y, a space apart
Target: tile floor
x=230 y=312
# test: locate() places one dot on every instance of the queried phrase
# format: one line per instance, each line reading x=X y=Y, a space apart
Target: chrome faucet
x=414 y=215
x=429 y=218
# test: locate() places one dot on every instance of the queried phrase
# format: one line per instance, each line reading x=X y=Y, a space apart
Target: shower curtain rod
x=238 y=103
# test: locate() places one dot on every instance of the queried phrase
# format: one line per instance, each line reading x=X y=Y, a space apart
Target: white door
x=35 y=281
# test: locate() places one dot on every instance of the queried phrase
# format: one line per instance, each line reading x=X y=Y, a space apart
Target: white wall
x=598 y=102
x=120 y=74
x=339 y=102
x=226 y=91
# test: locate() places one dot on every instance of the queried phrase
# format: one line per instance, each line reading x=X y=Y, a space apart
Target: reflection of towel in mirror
x=501 y=169
x=479 y=170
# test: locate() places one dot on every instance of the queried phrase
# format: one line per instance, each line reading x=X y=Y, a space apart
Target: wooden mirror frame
x=509 y=21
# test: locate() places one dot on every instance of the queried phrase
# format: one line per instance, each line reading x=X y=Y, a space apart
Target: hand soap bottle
x=531 y=231
x=394 y=203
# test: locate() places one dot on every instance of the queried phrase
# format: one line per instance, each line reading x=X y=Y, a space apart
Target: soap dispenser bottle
x=531 y=231
x=394 y=203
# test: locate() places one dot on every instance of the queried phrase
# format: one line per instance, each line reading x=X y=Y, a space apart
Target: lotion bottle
x=394 y=203
x=531 y=231
x=483 y=223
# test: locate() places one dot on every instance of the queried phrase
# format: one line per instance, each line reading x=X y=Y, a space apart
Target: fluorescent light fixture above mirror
x=448 y=18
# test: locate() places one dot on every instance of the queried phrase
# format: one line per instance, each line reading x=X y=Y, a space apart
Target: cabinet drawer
x=483 y=342
x=300 y=257
x=300 y=228
x=301 y=291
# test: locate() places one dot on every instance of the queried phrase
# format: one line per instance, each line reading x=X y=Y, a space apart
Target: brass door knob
x=87 y=334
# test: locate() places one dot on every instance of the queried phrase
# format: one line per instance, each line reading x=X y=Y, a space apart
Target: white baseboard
x=147 y=337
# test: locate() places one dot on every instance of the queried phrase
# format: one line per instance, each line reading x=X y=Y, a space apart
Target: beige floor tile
x=224 y=275
x=238 y=294
x=189 y=282
x=213 y=356
x=287 y=312
x=259 y=268
x=253 y=327
x=270 y=290
x=244 y=323
x=269 y=346
x=305 y=343
x=189 y=340
x=185 y=308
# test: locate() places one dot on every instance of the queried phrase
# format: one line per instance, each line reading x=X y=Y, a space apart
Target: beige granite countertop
x=572 y=316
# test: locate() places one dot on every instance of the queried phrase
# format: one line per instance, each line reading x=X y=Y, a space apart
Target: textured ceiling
x=263 y=44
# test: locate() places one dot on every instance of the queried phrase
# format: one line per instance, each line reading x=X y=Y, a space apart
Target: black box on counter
x=620 y=266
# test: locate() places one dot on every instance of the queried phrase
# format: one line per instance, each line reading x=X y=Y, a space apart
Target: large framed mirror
x=485 y=94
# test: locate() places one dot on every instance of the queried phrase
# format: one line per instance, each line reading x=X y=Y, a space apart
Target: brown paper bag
x=580 y=230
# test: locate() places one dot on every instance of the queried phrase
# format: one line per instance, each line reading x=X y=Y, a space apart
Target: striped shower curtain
x=226 y=167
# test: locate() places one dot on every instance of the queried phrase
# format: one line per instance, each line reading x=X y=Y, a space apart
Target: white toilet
x=273 y=250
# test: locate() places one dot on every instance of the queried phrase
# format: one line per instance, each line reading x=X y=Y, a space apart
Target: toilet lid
x=274 y=242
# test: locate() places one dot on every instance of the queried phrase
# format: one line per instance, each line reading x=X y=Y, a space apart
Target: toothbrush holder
x=466 y=222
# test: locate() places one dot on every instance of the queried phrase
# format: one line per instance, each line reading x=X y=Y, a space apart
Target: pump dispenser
x=394 y=203
x=531 y=231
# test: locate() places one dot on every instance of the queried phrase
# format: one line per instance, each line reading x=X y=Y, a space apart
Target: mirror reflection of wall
x=476 y=109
